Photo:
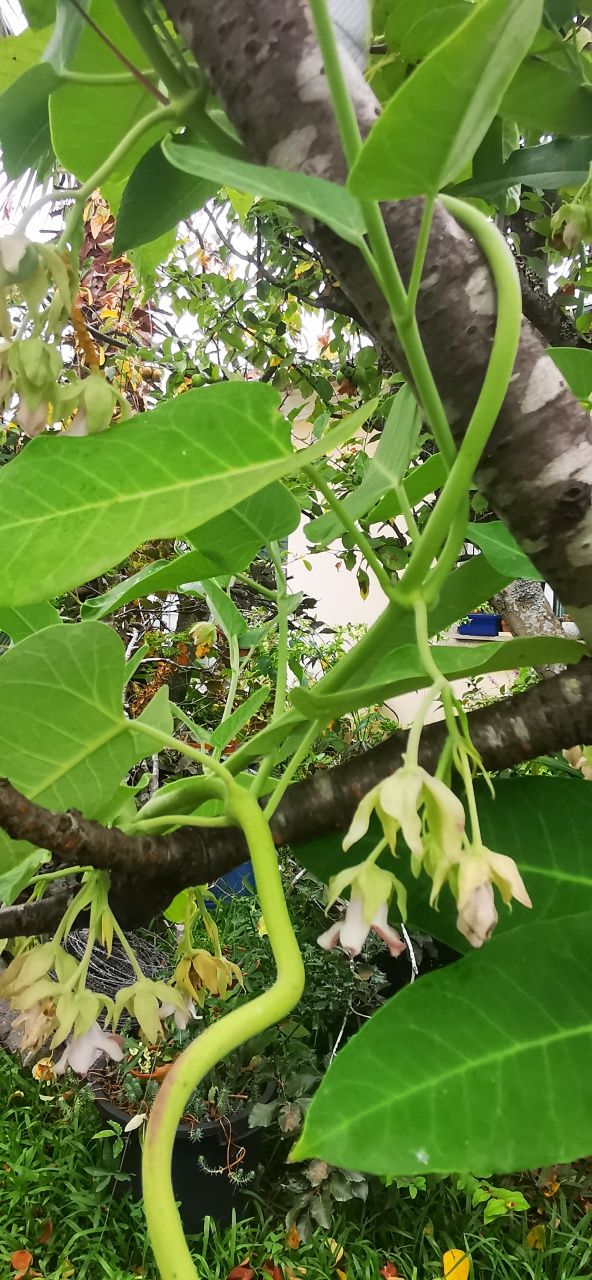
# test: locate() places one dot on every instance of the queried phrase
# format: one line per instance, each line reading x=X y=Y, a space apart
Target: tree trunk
x=263 y=61
x=525 y=608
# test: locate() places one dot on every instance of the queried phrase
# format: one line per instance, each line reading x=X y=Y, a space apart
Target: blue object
x=480 y=624
x=239 y=881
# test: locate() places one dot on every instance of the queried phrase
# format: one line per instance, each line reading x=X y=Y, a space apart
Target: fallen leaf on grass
x=46 y=1232
x=43 y=1070
x=389 y=1271
x=536 y=1237
x=242 y=1272
x=336 y=1249
x=270 y=1268
x=20 y=1262
x=456 y=1265
x=293 y=1240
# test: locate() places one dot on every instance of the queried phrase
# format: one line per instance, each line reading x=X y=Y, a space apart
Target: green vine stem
x=281 y=680
x=362 y=542
x=221 y=1038
x=104 y=79
x=493 y=391
x=234 y=657
x=379 y=258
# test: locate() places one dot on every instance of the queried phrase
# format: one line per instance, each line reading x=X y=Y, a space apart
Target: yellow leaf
x=302 y=268
x=341 y=1275
x=336 y=1249
x=456 y=1264
x=43 y=1069
x=536 y=1237
x=261 y=927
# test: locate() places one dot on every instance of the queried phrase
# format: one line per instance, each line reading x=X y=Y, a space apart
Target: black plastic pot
x=199 y=1191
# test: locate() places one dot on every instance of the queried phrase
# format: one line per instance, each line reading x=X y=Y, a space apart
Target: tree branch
x=546 y=718
x=33 y=917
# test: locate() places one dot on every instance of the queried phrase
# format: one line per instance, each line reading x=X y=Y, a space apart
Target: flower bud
x=19 y=258
x=478 y=917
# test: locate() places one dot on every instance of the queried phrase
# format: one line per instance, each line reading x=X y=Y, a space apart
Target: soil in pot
x=211 y=1164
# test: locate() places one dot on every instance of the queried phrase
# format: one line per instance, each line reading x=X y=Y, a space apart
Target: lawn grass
x=57 y=1161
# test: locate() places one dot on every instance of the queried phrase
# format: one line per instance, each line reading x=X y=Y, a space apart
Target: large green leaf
x=141 y=217
x=226 y=544
x=69 y=24
x=323 y=200
x=395 y=449
x=24 y=119
x=159 y=576
x=20 y=623
x=63 y=737
x=501 y=549
x=19 y=53
x=71 y=508
x=543 y=823
x=401 y=670
x=433 y=28
x=38 y=12
x=224 y=611
x=17 y=875
x=544 y=98
x=575 y=363
x=432 y=126
x=483 y=1066
x=562 y=163
x=418 y=483
x=87 y=121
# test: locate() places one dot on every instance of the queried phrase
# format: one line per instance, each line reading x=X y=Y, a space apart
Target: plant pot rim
x=207 y=1127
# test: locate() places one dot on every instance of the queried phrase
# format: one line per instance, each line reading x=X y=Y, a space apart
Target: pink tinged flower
x=82 y=1051
x=351 y=932
x=32 y=421
x=478 y=871
x=182 y=1017
x=478 y=917
x=383 y=930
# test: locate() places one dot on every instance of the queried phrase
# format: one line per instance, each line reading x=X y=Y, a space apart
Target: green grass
x=57 y=1162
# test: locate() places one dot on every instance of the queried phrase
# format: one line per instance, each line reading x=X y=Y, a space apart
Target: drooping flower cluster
x=31 y=366
x=430 y=818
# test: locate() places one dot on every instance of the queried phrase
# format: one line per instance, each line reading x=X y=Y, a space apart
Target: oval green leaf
x=481 y=1066
x=431 y=128
x=323 y=200
x=501 y=549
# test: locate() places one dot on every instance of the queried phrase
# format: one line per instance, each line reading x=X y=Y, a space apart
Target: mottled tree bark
x=262 y=59
x=525 y=608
